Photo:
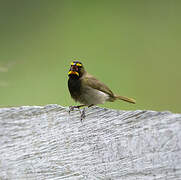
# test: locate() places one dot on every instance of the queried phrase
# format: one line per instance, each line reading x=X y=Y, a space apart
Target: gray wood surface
x=48 y=143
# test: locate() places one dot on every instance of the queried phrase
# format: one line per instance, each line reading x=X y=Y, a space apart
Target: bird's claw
x=71 y=108
x=82 y=113
x=82 y=116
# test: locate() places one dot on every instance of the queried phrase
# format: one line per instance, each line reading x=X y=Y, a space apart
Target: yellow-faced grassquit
x=87 y=90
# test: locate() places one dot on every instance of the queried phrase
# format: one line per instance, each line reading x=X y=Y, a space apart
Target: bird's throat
x=74 y=85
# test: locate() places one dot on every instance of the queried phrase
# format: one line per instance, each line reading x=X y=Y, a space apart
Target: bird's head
x=76 y=69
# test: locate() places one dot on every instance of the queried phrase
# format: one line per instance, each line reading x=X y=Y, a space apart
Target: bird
x=88 y=90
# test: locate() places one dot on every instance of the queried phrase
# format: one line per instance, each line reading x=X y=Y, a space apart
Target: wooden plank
x=48 y=143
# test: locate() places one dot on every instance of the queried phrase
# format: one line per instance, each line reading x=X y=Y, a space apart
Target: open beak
x=73 y=70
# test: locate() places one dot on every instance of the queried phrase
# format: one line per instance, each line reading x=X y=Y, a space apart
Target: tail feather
x=130 y=100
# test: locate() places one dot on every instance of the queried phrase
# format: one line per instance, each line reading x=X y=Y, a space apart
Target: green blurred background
x=132 y=46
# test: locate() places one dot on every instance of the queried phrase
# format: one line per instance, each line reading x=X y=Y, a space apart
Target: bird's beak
x=73 y=70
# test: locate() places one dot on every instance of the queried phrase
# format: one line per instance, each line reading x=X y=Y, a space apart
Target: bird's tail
x=130 y=100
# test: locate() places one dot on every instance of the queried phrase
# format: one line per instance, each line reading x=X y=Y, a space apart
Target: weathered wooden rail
x=48 y=143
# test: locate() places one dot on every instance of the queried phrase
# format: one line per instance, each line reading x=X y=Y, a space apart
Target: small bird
x=87 y=90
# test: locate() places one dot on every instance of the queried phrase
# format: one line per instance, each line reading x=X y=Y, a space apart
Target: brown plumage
x=88 y=90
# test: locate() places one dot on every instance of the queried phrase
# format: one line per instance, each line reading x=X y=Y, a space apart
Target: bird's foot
x=71 y=108
x=82 y=116
x=82 y=113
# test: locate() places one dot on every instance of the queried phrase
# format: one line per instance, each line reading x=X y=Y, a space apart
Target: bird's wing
x=96 y=84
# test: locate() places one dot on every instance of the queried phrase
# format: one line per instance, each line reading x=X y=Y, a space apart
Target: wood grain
x=48 y=143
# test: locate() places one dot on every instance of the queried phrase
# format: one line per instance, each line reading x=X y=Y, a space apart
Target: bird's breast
x=74 y=86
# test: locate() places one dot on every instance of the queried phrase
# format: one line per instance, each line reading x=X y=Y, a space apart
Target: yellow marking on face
x=73 y=72
x=76 y=64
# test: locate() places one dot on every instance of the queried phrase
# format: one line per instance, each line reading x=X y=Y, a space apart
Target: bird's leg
x=90 y=105
x=71 y=108
x=82 y=113
x=82 y=116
